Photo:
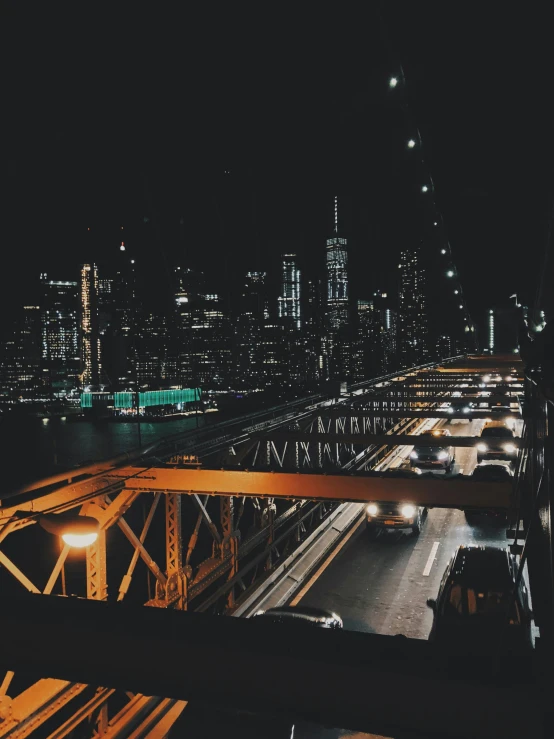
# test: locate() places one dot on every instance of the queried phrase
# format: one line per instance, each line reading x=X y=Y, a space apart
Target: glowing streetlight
x=461 y=307
x=435 y=223
x=411 y=144
x=424 y=188
x=393 y=82
x=450 y=273
x=75 y=531
x=443 y=251
x=456 y=292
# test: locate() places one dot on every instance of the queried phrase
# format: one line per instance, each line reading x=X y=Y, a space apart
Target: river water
x=33 y=447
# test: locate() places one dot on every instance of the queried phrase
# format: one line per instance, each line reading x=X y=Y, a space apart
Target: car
x=477 y=608
x=302 y=616
x=433 y=457
x=504 y=448
x=493 y=471
x=460 y=406
x=386 y=515
x=497 y=470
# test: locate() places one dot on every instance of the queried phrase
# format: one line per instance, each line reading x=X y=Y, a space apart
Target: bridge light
x=393 y=82
x=75 y=531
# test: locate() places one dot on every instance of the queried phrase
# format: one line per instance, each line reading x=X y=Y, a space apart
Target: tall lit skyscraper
x=60 y=330
x=337 y=278
x=289 y=300
x=490 y=331
x=412 y=313
x=90 y=334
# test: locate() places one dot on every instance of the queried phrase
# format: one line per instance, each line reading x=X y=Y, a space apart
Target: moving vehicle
x=503 y=448
x=493 y=471
x=476 y=608
x=302 y=615
x=384 y=515
x=433 y=457
x=497 y=470
x=460 y=406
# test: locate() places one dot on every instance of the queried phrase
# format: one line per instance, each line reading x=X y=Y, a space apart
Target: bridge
x=207 y=527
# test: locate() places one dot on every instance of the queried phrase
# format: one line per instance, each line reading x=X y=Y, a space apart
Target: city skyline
x=253 y=160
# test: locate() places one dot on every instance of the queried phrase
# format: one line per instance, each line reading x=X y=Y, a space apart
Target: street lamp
x=424 y=188
x=393 y=82
x=443 y=251
x=411 y=144
x=75 y=531
x=450 y=273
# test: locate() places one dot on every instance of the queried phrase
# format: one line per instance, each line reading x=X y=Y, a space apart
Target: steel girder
x=389 y=439
x=338 y=678
x=456 y=492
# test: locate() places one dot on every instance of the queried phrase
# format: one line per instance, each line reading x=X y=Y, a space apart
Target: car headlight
x=487 y=378
x=450 y=410
x=372 y=509
x=443 y=455
x=509 y=378
x=510 y=448
x=466 y=409
x=407 y=511
x=414 y=455
x=482 y=447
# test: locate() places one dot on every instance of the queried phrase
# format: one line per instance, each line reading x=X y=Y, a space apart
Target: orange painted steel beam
x=457 y=492
x=380 y=439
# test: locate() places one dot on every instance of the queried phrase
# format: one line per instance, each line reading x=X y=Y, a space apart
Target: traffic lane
x=379 y=583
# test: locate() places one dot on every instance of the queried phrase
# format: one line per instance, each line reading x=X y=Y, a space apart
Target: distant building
x=59 y=313
x=90 y=328
x=336 y=262
x=252 y=314
x=289 y=300
x=206 y=358
x=21 y=373
x=338 y=340
x=412 y=310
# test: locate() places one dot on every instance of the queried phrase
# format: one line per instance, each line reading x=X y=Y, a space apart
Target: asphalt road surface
x=380 y=583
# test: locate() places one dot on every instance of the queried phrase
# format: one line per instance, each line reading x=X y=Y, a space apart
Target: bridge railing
x=536 y=484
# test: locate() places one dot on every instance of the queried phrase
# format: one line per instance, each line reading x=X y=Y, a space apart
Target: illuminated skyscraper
x=490 y=331
x=253 y=312
x=60 y=330
x=412 y=313
x=289 y=300
x=90 y=334
x=337 y=278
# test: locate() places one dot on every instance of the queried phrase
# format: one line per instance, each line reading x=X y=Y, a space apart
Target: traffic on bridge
x=384 y=512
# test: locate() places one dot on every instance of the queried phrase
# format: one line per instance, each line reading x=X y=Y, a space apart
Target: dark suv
x=476 y=608
x=496 y=442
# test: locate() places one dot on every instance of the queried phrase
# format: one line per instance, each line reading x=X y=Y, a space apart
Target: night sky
x=122 y=117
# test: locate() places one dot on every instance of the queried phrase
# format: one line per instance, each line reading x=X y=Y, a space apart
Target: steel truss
x=232 y=544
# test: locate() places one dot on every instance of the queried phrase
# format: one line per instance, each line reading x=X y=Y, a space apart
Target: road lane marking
x=297 y=598
x=431 y=559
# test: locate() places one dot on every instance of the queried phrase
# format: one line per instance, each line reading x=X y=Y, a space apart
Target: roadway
x=379 y=583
